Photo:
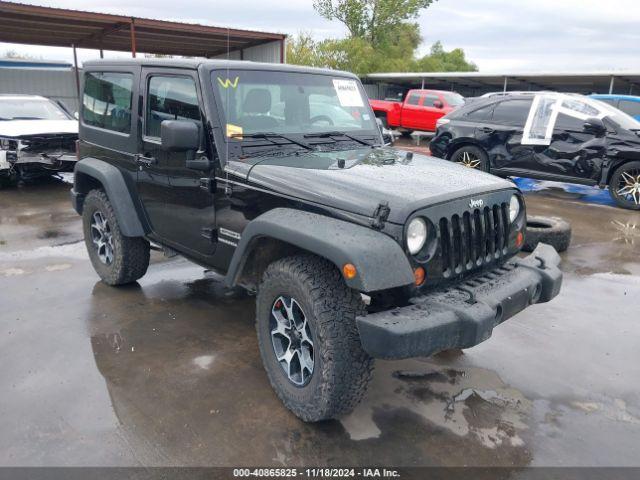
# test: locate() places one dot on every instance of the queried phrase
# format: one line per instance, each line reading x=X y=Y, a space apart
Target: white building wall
x=55 y=83
x=267 y=52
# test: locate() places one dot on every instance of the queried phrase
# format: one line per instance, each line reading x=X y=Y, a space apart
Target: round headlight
x=514 y=208
x=416 y=235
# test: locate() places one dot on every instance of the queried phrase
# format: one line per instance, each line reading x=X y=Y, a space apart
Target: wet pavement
x=167 y=371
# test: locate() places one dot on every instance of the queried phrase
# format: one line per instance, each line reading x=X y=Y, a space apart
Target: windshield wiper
x=338 y=134
x=270 y=136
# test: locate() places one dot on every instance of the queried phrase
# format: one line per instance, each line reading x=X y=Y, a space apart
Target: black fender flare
x=380 y=261
x=116 y=189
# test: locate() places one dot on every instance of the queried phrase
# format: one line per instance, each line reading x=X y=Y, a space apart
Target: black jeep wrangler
x=276 y=177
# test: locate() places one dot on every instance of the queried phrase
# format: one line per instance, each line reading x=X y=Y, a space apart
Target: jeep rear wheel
x=309 y=342
x=117 y=259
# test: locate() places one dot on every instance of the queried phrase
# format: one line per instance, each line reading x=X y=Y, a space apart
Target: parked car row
x=542 y=135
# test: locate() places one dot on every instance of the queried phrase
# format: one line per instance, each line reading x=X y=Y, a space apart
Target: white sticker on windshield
x=348 y=93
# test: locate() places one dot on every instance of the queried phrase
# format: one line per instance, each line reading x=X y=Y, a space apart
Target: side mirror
x=179 y=135
x=438 y=104
x=595 y=126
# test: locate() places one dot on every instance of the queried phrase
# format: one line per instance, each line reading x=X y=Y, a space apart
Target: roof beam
x=116 y=27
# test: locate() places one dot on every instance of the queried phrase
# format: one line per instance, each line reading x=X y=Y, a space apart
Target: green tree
x=381 y=38
x=440 y=60
x=303 y=50
x=14 y=55
x=372 y=20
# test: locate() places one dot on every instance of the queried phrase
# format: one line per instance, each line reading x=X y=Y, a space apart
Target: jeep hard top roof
x=194 y=63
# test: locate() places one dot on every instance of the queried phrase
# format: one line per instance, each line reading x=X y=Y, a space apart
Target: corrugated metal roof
x=35 y=25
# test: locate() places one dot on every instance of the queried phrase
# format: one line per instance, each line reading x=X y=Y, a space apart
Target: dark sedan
x=548 y=136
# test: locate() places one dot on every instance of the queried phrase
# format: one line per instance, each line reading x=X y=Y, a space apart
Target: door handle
x=487 y=130
x=147 y=161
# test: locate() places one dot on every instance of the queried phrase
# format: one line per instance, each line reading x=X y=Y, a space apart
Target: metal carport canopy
x=583 y=82
x=35 y=25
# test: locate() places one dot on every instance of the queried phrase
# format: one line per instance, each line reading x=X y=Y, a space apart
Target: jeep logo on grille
x=476 y=203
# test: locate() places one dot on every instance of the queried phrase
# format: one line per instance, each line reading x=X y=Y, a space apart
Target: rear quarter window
x=480 y=114
x=106 y=100
x=512 y=112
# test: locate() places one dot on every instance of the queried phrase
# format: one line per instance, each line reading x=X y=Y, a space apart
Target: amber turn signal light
x=519 y=239
x=349 y=271
x=419 y=275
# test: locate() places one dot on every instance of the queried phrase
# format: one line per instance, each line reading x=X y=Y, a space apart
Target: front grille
x=49 y=143
x=473 y=238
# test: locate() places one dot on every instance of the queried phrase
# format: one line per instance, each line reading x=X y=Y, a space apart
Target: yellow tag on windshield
x=234 y=131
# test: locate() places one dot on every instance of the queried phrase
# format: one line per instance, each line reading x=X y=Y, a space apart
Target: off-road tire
x=342 y=369
x=614 y=185
x=553 y=231
x=476 y=153
x=383 y=120
x=130 y=254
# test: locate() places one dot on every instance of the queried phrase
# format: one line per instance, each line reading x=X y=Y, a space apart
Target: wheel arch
x=380 y=262
x=92 y=173
x=615 y=166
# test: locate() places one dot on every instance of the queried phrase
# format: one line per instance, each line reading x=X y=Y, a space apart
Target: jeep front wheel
x=309 y=342
x=117 y=259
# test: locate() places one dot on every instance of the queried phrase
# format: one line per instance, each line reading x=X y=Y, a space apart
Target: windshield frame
x=43 y=100
x=233 y=146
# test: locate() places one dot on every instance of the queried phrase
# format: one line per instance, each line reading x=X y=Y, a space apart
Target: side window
x=413 y=99
x=106 y=101
x=512 y=112
x=569 y=123
x=630 y=107
x=480 y=114
x=611 y=101
x=429 y=100
x=170 y=98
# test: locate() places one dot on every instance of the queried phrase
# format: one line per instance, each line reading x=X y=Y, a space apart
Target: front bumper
x=464 y=315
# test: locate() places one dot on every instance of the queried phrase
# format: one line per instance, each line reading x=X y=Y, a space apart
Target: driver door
x=178 y=203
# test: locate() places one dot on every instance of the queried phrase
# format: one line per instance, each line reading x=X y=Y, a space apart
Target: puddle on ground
x=75 y=250
x=472 y=403
x=57 y=267
x=204 y=361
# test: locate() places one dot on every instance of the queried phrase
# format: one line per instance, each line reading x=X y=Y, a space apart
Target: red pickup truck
x=419 y=111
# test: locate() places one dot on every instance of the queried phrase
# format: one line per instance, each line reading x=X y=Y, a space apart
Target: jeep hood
x=21 y=128
x=357 y=181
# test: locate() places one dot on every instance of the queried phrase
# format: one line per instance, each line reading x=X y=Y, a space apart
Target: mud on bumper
x=464 y=315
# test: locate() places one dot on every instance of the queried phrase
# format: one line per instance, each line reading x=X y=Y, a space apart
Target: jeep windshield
x=293 y=106
x=30 y=109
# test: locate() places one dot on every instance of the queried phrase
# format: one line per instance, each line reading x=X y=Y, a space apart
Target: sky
x=500 y=36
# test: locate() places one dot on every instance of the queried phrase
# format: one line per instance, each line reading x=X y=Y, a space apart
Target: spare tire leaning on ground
x=553 y=231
